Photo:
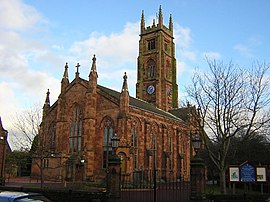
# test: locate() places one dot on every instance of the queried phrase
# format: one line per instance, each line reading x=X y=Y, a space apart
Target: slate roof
x=180 y=112
x=135 y=102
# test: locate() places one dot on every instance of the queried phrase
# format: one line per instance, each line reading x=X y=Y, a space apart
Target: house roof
x=180 y=114
x=137 y=103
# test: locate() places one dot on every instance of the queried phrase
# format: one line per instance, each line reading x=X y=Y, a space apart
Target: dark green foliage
x=34 y=145
x=254 y=149
x=21 y=160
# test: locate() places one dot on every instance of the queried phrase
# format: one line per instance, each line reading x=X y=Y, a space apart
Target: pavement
x=28 y=182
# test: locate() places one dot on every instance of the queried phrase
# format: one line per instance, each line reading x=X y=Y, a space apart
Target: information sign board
x=261 y=174
x=247 y=173
x=234 y=174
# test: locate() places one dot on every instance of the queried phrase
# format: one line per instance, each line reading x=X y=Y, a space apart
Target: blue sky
x=37 y=38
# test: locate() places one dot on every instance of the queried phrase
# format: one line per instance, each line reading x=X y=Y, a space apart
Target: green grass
x=215 y=190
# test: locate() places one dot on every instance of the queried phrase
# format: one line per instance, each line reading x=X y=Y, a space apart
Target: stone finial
x=65 y=81
x=160 y=17
x=170 y=23
x=46 y=105
x=65 y=76
x=142 y=22
x=93 y=75
x=154 y=23
x=125 y=86
x=94 y=68
x=47 y=100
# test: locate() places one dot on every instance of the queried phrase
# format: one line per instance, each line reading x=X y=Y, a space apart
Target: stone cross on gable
x=78 y=65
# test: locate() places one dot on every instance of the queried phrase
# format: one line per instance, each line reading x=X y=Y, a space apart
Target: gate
x=153 y=186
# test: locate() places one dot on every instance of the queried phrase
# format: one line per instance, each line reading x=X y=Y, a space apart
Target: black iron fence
x=153 y=186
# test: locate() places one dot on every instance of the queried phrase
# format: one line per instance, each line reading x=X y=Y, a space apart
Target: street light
x=196 y=142
x=115 y=143
x=113 y=171
x=197 y=172
x=3 y=139
x=82 y=161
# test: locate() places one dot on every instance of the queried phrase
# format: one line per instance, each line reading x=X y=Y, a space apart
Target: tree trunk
x=223 y=188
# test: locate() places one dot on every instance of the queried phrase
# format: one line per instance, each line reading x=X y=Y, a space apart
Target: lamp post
x=196 y=143
x=197 y=172
x=115 y=143
x=114 y=171
x=3 y=140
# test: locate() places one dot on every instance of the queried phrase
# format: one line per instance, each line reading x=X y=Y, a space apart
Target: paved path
x=28 y=182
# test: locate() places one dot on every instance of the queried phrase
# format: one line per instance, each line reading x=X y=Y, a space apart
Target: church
x=75 y=137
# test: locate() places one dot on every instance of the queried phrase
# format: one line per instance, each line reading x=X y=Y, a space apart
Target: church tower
x=156 y=76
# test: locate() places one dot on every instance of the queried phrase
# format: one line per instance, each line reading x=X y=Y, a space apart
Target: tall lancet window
x=151 y=69
x=170 y=145
x=75 y=137
x=52 y=136
x=107 y=141
x=134 y=144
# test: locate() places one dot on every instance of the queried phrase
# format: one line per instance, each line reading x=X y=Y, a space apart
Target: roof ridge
x=149 y=107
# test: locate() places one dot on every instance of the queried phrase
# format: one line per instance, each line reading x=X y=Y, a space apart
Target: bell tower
x=156 y=68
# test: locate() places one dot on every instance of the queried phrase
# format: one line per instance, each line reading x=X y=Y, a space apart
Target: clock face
x=150 y=89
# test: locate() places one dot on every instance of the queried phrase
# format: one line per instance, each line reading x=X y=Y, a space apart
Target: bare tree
x=230 y=100
x=27 y=130
x=26 y=127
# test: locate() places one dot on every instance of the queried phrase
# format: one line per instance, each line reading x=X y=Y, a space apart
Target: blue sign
x=247 y=173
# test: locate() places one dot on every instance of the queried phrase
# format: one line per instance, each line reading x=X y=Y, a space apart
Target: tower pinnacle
x=46 y=105
x=65 y=81
x=125 y=86
x=160 y=17
x=65 y=76
x=93 y=75
x=170 y=23
x=94 y=68
x=124 y=98
x=47 y=100
x=142 y=22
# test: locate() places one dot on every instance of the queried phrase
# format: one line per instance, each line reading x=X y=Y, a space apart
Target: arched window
x=151 y=69
x=52 y=136
x=153 y=141
x=134 y=144
x=170 y=146
x=75 y=137
x=168 y=70
x=152 y=44
x=107 y=141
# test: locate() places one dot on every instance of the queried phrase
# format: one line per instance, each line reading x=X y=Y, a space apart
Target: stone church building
x=76 y=131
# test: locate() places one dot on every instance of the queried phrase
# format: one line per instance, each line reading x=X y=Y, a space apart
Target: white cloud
x=117 y=47
x=243 y=50
x=212 y=55
x=116 y=53
x=181 y=67
x=8 y=99
x=22 y=79
x=182 y=36
x=188 y=55
x=16 y=15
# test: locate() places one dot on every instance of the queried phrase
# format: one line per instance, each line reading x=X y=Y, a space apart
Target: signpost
x=234 y=174
x=247 y=173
